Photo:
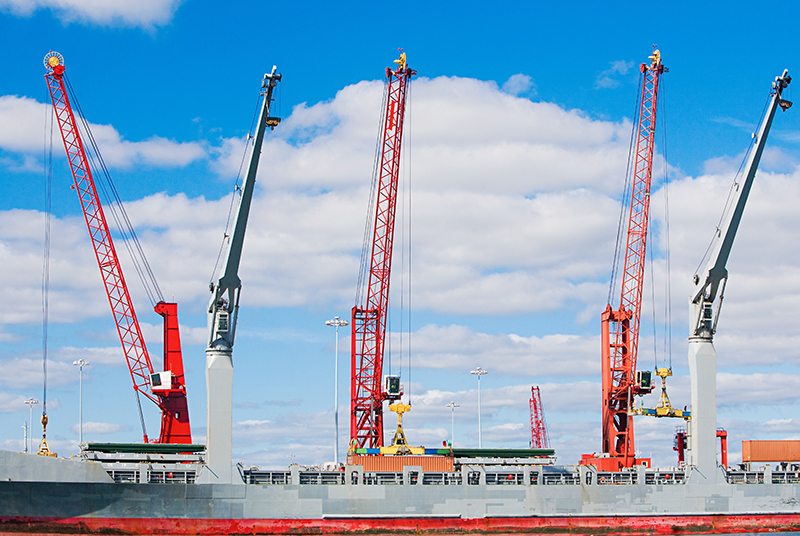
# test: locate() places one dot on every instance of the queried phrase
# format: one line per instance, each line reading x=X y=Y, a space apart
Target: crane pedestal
x=219 y=392
x=702 y=428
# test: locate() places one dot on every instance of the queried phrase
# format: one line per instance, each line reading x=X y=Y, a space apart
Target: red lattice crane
x=167 y=389
x=369 y=320
x=620 y=327
x=539 y=438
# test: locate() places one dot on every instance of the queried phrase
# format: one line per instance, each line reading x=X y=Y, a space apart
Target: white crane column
x=706 y=302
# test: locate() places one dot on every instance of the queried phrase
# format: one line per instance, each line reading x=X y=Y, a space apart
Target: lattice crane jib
x=368 y=327
x=539 y=437
x=620 y=327
x=172 y=397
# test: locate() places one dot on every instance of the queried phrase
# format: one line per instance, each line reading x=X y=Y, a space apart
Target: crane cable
x=116 y=207
x=405 y=267
x=363 y=269
x=48 y=187
x=733 y=187
x=667 y=252
x=237 y=189
x=626 y=193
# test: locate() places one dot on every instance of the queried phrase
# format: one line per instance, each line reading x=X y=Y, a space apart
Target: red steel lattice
x=369 y=321
x=620 y=328
x=175 y=426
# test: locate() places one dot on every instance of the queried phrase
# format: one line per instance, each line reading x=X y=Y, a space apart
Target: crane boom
x=710 y=289
x=620 y=327
x=223 y=311
x=539 y=436
x=369 y=320
x=712 y=282
x=170 y=395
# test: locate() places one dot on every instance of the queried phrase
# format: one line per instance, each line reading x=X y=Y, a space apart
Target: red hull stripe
x=627 y=524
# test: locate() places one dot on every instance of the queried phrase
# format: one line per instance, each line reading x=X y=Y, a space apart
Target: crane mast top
x=369 y=320
x=224 y=305
x=711 y=284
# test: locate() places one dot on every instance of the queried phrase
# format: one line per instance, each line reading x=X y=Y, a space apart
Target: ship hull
x=182 y=509
x=573 y=524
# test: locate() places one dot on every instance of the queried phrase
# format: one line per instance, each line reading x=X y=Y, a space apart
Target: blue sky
x=517 y=138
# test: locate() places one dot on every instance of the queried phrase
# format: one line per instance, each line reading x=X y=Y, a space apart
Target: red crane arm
x=620 y=328
x=369 y=321
x=539 y=438
x=171 y=398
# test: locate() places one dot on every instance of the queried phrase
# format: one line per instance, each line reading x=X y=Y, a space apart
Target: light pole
x=452 y=405
x=31 y=401
x=337 y=322
x=479 y=372
x=80 y=363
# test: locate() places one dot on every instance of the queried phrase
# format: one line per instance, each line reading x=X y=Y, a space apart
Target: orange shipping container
x=771 y=451
x=395 y=464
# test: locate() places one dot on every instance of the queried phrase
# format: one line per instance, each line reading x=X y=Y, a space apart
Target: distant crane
x=223 y=311
x=167 y=389
x=708 y=294
x=539 y=437
x=620 y=327
x=369 y=319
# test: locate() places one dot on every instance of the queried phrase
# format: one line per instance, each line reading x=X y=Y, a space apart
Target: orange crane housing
x=167 y=389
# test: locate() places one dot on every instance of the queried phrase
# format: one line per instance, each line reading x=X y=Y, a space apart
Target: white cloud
x=519 y=84
x=22 y=121
x=90 y=428
x=610 y=77
x=11 y=403
x=144 y=13
x=458 y=347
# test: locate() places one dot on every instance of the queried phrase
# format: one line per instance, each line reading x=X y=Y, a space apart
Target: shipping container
x=439 y=464
x=771 y=451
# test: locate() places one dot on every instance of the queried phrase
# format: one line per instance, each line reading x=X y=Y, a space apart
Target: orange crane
x=539 y=437
x=368 y=325
x=620 y=327
x=166 y=389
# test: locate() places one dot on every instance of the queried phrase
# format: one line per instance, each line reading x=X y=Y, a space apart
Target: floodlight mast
x=223 y=310
x=707 y=296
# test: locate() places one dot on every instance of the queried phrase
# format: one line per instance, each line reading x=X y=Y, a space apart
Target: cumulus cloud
x=459 y=347
x=98 y=428
x=22 y=121
x=519 y=84
x=145 y=13
x=610 y=78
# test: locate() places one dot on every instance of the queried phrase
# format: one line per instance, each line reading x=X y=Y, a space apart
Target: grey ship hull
x=75 y=496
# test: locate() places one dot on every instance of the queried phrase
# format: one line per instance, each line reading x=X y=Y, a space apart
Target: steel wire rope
x=236 y=189
x=365 y=243
x=48 y=189
x=621 y=227
x=405 y=268
x=732 y=188
x=662 y=106
x=667 y=249
x=117 y=208
x=409 y=101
